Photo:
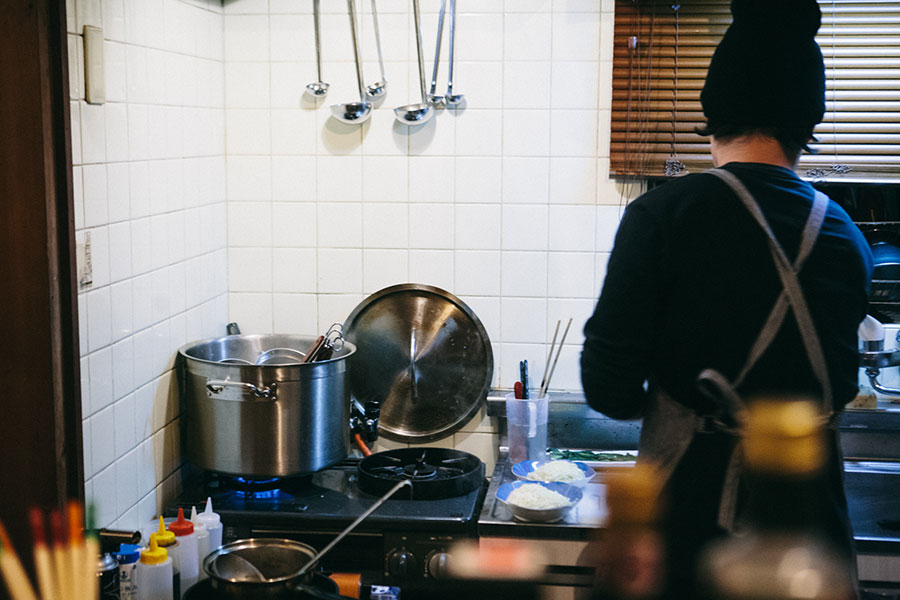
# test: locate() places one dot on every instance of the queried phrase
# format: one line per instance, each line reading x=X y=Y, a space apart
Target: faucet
x=872 y=355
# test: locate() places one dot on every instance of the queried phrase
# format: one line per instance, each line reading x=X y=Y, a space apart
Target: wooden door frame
x=40 y=396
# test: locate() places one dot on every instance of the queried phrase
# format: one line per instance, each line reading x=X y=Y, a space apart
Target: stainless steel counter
x=497 y=521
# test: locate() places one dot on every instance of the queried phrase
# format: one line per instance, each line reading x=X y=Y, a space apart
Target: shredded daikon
x=536 y=496
x=557 y=470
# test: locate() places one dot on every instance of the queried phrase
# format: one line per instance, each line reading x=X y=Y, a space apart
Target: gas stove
x=406 y=538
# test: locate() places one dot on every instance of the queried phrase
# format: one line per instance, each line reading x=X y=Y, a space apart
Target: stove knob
x=439 y=565
x=401 y=563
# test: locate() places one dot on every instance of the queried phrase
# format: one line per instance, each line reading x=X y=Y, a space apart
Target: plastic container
x=213 y=524
x=128 y=557
x=154 y=573
x=188 y=554
x=203 y=548
x=526 y=427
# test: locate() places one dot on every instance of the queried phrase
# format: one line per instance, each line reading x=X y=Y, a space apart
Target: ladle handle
x=318 y=42
x=421 y=58
x=351 y=10
x=315 y=559
x=437 y=47
x=378 y=39
x=452 y=36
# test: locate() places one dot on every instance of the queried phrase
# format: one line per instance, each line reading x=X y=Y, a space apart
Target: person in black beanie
x=737 y=282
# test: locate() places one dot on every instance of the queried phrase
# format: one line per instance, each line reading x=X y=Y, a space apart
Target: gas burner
x=435 y=472
x=221 y=487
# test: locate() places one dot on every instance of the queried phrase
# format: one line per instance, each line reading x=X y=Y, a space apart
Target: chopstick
x=546 y=384
x=68 y=570
x=13 y=573
x=42 y=558
x=549 y=355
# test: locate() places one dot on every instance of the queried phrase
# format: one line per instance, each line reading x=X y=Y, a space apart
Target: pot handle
x=217 y=386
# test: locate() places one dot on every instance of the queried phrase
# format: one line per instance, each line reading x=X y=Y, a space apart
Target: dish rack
x=884 y=294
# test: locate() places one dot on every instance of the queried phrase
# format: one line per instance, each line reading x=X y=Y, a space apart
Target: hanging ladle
x=433 y=98
x=379 y=87
x=354 y=113
x=452 y=99
x=319 y=88
x=416 y=114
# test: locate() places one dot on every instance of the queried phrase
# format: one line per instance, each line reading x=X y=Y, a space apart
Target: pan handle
x=217 y=386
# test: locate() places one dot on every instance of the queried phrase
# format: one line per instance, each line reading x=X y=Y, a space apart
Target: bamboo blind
x=659 y=70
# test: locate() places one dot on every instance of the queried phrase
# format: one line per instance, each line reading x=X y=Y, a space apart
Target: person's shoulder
x=676 y=191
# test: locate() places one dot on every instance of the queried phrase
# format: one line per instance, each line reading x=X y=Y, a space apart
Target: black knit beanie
x=768 y=70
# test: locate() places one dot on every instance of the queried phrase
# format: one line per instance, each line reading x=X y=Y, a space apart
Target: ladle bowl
x=319 y=89
x=352 y=113
x=414 y=114
x=377 y=89
x=454 y=99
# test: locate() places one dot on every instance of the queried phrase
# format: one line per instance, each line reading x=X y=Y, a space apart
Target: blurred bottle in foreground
x=629 y=551
x=781 y=549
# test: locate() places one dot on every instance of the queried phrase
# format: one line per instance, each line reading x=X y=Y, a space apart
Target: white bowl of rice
x=539 y=501
x=567 y=471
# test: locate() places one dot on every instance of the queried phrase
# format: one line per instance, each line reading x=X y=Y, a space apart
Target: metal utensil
x=452 y=99
x=379 y=87
x=354 y=113
x=416 y=114
x=352 y=526
x=433 y=98
x=319 y=88
x=280 y=356
x=234 y=567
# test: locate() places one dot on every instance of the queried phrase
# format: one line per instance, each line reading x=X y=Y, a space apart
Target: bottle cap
x=181 y=526
x=208 y=517
x=154 y=554
x=128 y=553
x=632 y=495
x=198 y=524
x=163 y=538
x=784 y=436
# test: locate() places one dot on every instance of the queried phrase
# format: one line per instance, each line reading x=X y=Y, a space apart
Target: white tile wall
x=149 y=180
x=504 y=201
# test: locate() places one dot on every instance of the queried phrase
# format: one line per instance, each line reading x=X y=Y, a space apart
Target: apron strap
x=792 y=294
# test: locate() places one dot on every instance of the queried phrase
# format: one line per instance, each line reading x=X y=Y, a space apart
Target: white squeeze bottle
x=153 y=577
x=213 y=525
x=188 y=561
x=203 y=548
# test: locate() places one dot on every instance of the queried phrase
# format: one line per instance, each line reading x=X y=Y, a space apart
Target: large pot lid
x=424 y=355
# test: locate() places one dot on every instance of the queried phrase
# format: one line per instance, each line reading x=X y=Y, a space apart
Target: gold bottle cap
x=632 y=495
x=784 y=436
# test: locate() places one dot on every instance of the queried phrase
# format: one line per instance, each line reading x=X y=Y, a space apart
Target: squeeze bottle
x=128 y=557
x=203 y=548
x=166 y=539
x=213 y=524
x=188 y=561
x=154 y=573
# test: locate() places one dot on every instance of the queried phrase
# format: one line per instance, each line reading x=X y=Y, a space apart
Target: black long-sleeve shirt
x=691 y=281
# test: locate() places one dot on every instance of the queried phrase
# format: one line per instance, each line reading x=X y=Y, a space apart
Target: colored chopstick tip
x=36 y=518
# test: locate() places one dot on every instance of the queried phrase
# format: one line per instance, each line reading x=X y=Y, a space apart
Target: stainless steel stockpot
x=268 y=420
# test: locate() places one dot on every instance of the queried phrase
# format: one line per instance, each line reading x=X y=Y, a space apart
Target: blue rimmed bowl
x=523 y=471
x=540 y=515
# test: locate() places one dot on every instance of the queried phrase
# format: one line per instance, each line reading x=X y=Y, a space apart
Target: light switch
x=94 y=81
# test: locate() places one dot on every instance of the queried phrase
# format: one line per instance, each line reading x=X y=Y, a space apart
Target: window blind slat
x=656 y=86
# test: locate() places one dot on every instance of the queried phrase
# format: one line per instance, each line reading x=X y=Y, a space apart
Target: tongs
x=326 y=345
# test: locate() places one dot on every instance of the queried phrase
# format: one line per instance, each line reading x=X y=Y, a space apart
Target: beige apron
x=669 y=426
